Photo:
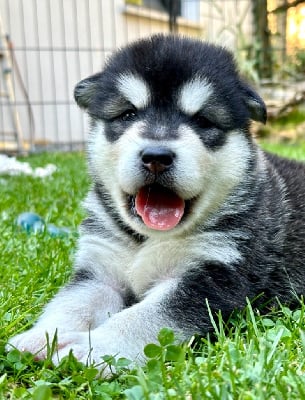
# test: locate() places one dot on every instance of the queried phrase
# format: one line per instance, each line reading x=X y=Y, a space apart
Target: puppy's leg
x=95 y=292
x=78 y=307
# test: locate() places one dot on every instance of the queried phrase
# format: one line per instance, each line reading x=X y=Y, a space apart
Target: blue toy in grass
x=30 y=222
x=33 y=223
x=54 y=230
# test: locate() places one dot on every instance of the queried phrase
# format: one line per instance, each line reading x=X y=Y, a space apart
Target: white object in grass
x=11 y=166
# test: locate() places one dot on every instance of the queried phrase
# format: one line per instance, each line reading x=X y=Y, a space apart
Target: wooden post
x=262 y=38
x=6 y=70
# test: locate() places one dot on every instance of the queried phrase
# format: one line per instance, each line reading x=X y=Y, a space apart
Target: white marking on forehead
x=194 y=94
x=134 y=89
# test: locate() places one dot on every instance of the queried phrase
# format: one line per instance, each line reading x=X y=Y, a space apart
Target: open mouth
x=159 y=207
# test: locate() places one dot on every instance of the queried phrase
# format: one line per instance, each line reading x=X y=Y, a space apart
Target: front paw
x=36 y=341
x=90 y=348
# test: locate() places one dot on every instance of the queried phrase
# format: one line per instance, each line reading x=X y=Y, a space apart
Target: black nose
x=157 y=159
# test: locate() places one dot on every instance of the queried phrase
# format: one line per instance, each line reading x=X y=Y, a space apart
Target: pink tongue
x=160 y=208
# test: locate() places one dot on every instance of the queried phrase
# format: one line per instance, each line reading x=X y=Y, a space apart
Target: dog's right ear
x=85 y=90
x=254 y=103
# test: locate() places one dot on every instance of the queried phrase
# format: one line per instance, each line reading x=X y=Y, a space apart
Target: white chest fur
x=159 y=260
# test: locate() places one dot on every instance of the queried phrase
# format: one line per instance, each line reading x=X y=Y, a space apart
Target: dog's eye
x=202 y=121
x=127 y=115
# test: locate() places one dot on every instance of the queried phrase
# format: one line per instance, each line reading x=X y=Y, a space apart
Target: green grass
x=290 y=120
x=252 y=357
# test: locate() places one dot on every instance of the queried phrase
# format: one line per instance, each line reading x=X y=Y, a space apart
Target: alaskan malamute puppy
x=184 y=207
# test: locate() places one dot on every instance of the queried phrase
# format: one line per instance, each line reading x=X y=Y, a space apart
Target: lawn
x=251 y=357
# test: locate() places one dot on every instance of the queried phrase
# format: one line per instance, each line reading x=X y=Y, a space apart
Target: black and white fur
x=242 y=234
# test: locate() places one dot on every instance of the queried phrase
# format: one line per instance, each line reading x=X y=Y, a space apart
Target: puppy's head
x=169 y=134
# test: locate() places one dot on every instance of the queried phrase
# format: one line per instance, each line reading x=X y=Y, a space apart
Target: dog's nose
x=157 y=159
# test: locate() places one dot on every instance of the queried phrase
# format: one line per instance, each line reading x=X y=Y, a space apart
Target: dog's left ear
x=255 y=104
x=85 y=90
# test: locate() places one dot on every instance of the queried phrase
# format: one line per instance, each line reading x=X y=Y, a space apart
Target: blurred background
x=47 y=46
